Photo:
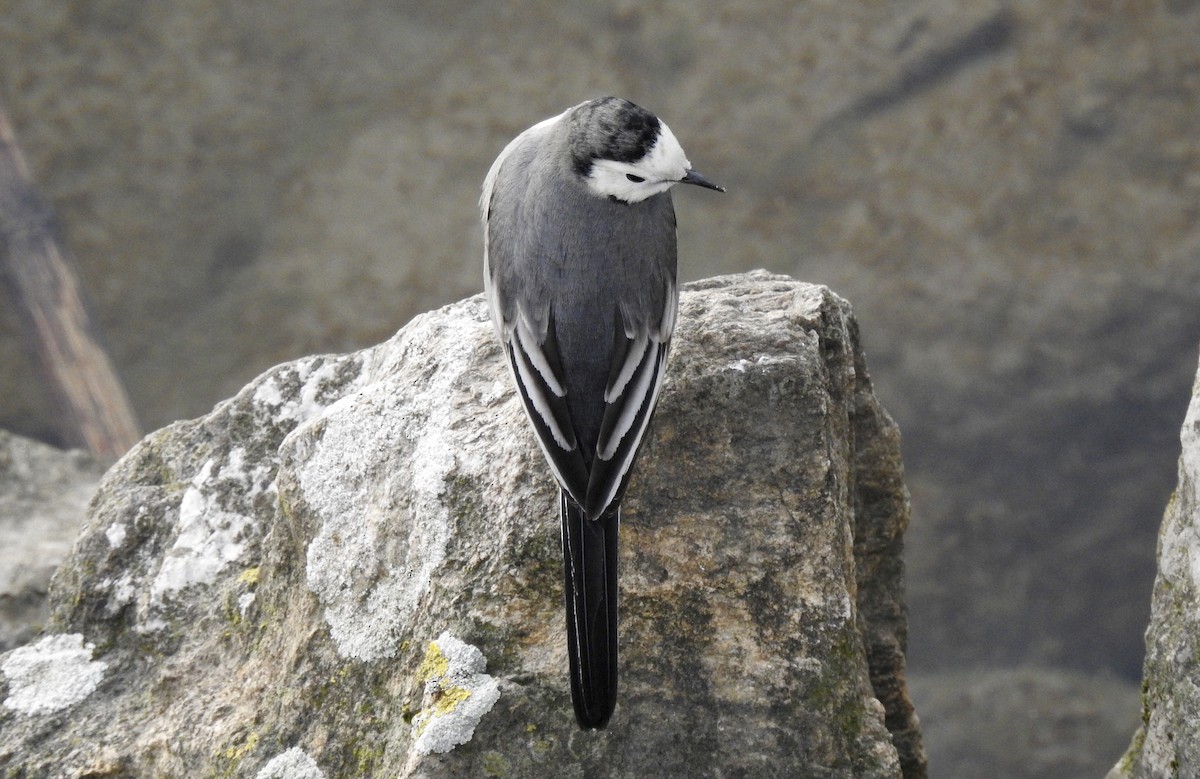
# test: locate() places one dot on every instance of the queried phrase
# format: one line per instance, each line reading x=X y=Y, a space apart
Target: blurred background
x=1008 y=192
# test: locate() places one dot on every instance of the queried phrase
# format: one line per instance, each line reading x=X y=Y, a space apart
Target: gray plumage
x=580 y=268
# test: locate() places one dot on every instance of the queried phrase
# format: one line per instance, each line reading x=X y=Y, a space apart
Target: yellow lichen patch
x=456 y=695
x=249 y=577
x=444 y=700
x=237 y=753
x=434 y=665
x=448 y=699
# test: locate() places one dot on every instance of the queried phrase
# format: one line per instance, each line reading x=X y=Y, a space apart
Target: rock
x=353 y=568
x=1167 y=744
x=1023 y=723
x=52 y=674
x=43 y=494
x=1003 y=187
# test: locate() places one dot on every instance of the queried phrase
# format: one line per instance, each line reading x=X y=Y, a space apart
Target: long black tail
x=590 y=568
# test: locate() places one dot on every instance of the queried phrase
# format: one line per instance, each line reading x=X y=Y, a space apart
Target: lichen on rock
x=292 y=764
x=354 y=563
x=457 y=695
x=51 y=674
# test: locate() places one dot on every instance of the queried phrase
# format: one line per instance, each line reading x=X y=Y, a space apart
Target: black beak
x=695 y=177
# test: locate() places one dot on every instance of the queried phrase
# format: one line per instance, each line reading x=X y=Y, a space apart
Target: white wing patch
x=667 y=326
x=632 y=396
x=631 y=405
x=649 y=382
x=537 y=397
x=533 y=350
x=632 y=361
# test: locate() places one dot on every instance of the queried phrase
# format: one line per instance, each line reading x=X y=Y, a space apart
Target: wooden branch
x=37 y=272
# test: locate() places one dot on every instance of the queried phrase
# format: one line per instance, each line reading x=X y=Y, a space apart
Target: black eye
x=634 y=179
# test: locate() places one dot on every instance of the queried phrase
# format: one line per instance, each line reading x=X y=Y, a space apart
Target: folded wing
x=639 y=359
x=537 y=368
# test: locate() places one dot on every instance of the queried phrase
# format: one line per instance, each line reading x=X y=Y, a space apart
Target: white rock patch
x=312 y=373
x=292 y=764
x=210 y=534
x=116 y=535
x=52 y=674
x=457 y=695
x=383 y=537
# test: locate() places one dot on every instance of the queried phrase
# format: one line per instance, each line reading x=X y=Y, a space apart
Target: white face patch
x=662 y=167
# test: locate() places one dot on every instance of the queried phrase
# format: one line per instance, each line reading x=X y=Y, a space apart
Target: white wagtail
x=579 y=267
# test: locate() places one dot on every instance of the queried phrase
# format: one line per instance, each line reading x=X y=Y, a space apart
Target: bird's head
x=624 y=152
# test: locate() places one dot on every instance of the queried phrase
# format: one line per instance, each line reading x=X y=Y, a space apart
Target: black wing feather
x=567 y=462
x=610 y=475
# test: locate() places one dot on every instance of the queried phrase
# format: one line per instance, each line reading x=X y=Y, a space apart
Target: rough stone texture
x=43 y=494
x=1023 y=722
x=1167 y=744
x=1004 y=188
x=352 y=568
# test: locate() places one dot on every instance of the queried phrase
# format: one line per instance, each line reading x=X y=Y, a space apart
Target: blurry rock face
x=43 y=494
x=353 y=567
x=1006 y=190
x=1040 y=723
x=1168 y=742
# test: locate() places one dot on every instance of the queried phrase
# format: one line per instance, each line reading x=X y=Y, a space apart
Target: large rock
x=1003 y=187
x=1168 y=742
x=352 y=568
x=43 y=494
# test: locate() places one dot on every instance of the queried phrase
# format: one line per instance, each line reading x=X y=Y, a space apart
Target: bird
x=580 y=278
